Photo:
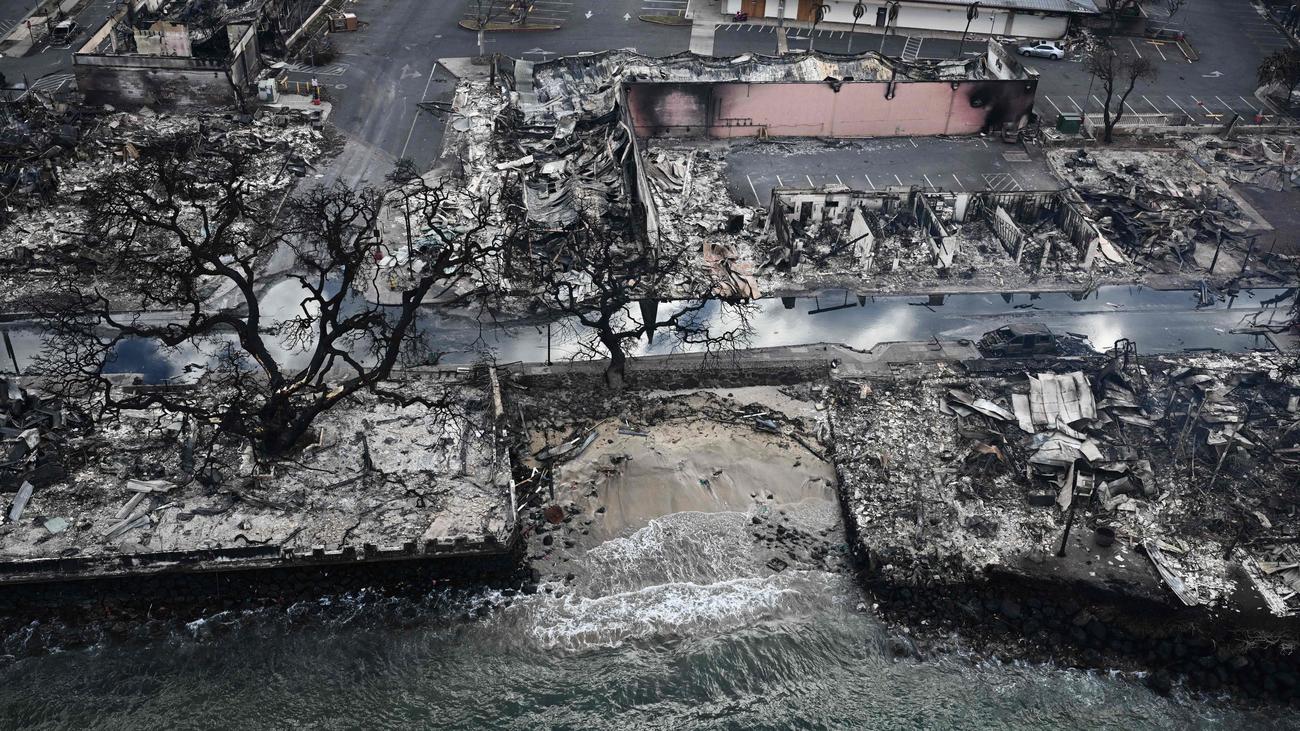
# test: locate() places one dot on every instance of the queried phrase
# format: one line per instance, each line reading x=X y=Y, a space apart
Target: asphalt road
x=1231 y=38
x=383 y=71
x=45 y=66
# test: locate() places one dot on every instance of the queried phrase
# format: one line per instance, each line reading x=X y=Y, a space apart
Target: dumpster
x=1069 y=123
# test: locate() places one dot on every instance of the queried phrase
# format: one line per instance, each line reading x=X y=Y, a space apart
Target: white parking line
x=1175 y=103
x=753 y=190
x=1149 y=102
x=1225 y=104
x=1049 y=101
x=928 y=182
x=900 y=180
x=868 y=177
x=1077 y=108
x=1099 y=104
x=837 y=179
x=1253 y=108
x=959 y=183
x=1163 y=57
x=811 y=184
x=1135 y=47
x=779 y=184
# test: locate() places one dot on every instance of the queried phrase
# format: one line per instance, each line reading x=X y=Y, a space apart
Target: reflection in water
x=1159 y=321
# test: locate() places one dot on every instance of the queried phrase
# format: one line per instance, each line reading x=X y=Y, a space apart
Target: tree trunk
x=283 y=426
x=614 y=372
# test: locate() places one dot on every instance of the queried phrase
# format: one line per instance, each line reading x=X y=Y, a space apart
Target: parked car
x=1046 y=49
x=64 y=32
x=1021 y=340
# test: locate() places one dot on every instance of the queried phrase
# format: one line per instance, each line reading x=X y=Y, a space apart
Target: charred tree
x=194 y=245
x=1115 y=10
x=1281 y=69
x=592 y=276
x=1118 y=74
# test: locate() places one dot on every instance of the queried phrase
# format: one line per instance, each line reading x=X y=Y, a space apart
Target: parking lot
x=942 y=164
x=1200 y=108
x=663 y=7
x=552 y=12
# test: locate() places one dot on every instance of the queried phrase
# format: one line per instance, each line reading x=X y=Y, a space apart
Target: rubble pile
x=47 y=238
x=34 y=443
x=35 y=133
x=376 y=473
x=1162 y=209
x=1267 y=161
x=476 y=188
x=933 y=499
x=897 y=241
x=697 y=214
x=1192 y=461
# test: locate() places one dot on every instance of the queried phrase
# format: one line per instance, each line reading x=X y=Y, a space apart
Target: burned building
x=1165 y=477
x=813 y=95
x=651 y=144
x=141 y=495
x=184 y=54
x=64 y=154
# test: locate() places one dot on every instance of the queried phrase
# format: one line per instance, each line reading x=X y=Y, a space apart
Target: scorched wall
x=820 y=109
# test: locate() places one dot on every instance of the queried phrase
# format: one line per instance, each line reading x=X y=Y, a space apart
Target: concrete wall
x=170 y=82
x=128 y=87
x=815 y=109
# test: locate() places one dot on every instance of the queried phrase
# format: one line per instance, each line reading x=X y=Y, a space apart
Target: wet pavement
x=1160 y=321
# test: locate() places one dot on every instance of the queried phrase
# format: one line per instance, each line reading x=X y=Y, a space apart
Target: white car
x=1046 y=49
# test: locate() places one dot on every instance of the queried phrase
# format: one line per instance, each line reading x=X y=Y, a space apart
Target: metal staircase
x=911 y=48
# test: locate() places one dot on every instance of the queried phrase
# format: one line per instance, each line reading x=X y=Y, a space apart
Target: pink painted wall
x=732 y=109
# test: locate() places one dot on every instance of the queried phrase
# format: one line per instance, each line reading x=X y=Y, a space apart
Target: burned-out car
x=1021 y=340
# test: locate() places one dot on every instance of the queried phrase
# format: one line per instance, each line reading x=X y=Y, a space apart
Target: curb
x=506 y=27
x=674 y=21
